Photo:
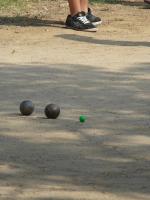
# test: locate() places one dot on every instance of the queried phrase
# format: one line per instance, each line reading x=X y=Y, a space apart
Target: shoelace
x=83 y=19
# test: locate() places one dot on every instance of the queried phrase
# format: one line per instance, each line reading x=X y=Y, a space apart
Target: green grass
x=15 y=4
x=6 y=3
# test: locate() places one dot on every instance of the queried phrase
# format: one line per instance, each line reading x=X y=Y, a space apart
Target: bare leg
x=84 y=5
x=74 y=6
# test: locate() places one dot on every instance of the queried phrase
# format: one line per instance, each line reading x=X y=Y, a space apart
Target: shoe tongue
x=89 y=10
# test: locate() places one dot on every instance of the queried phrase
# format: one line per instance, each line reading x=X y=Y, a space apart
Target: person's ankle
x=85 y=10
x=74 y=13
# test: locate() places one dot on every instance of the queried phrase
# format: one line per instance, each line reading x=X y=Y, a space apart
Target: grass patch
x=10 y=3
x=15 y=5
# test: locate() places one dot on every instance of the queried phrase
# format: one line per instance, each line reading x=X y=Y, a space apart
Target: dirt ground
x=103 y=75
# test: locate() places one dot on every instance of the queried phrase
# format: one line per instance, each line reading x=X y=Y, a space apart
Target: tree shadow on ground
x=140 y=4
x=92 y=40
x=27 y=21
x=107 y=154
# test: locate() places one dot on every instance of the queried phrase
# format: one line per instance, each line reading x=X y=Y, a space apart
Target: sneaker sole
x=97 y=23
x=84 y=30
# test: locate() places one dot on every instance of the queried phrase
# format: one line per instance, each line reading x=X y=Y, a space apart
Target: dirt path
x=105 y=76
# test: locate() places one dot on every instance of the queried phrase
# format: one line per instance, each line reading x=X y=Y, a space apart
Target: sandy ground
x=105 y=76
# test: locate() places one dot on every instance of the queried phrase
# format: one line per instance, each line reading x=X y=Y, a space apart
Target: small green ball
x=82 y=118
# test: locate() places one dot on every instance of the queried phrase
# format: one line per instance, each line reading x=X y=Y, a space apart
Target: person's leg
x=84 y=5
x=75 y=7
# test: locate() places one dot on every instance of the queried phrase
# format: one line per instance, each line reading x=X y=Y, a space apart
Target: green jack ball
x=82 y=118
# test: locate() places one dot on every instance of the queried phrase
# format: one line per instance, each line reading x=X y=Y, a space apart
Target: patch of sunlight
x=8 y=169
x=78 y=195
x=133 y=114
x=53 y=136
x=109 y=159
x=43 y=137
x=140 y=196
x=132 y=140
x=6 y=190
